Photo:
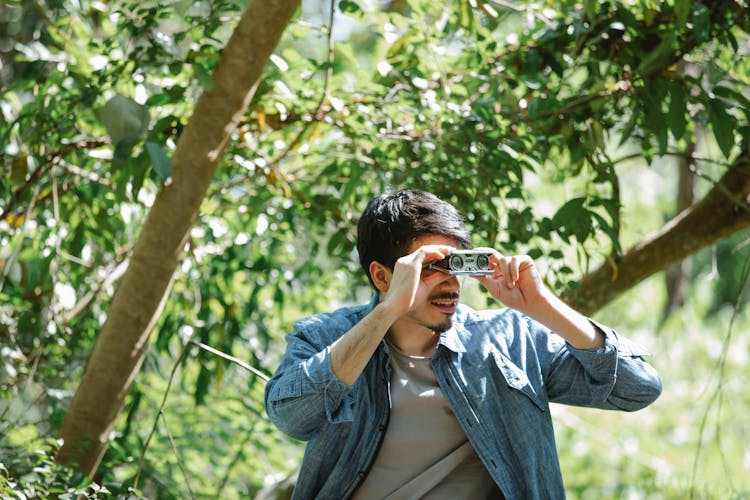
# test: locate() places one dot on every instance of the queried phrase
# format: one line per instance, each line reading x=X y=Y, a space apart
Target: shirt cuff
x=319 y=373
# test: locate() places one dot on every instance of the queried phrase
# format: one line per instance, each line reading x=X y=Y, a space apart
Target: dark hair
x=391 y=222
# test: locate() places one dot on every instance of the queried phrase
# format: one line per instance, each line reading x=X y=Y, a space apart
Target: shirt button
x=381 y=428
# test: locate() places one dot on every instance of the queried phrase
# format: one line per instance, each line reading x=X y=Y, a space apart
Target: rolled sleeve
x=614 y=376
x=304 y=393
x=320 y=379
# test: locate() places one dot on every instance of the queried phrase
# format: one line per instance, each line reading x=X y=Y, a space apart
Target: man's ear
x=381 y=276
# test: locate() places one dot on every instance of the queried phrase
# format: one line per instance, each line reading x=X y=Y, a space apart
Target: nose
x=450 y=283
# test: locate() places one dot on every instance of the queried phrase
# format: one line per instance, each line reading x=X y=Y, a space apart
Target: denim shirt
x=499 y=370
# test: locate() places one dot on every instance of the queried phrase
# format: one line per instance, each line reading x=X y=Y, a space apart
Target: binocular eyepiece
x=465 y=263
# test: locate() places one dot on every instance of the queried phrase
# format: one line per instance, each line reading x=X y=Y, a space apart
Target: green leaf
x=203 y=76
x=18 y=169
x=732 y=95
x=139 y=166
x=654 y=95
x=123 y=118
x=676 y=115
x=701 y=22
x=658 y=57
x=202 y=385
x=573 y=219
x=723 y=125
x=170 y=95
x=159 y=160
x=590 y=8
x=349 y=7
x=630 y=127
x=682 y=11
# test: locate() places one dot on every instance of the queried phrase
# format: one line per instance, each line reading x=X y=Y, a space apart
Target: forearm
x=351 y=352
x=571 y=325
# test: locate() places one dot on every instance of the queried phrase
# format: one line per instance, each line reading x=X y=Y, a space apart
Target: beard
x=443 y=325
x=440 y=327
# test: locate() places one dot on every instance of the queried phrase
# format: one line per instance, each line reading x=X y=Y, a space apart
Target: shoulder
x=337 y=321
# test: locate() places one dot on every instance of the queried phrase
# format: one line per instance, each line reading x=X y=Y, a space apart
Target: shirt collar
x=451 y=338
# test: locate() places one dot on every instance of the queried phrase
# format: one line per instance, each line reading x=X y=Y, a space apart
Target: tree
x=123 y=340
x=476 y=101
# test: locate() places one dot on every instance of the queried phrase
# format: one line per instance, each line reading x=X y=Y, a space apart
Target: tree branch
x=721 y=213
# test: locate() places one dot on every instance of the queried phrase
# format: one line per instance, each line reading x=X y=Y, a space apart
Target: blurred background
x=606 y=139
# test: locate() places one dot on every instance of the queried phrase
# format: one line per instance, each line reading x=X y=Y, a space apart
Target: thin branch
x=184 y=352
x=694 y=170
x=176 y=454
x=52 y=159
x=511 y=6
x=234 y=360
x=108 y=278
x=718 y=397
x=324 y=95
x=11 y=259
x=574 y=104
x=80 y=172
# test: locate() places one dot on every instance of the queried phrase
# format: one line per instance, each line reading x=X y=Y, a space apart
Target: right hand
x=411 y=282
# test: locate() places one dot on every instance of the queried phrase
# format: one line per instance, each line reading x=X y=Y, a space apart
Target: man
x=415 y=395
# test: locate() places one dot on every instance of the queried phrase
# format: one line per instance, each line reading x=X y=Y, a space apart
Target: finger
x=514 y=267
x=495 y=288
x=503 y=264
x=429 y=253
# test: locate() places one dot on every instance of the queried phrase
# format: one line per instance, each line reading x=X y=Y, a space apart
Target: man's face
x=436 y=311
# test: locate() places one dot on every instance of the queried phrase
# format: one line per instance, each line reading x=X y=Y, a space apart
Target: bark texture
x=725 y=210
x=122 y=343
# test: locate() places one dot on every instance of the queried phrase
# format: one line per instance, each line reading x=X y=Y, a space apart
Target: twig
x=317 y=115
x=234 y=360
x=184 y=352
x=117 y=270
x=52 y=159
x=10 y=260
x=176 y=454
x=511 y=6
x=718 y=395
x=182 y=356
x=695 y=171
x=326 y=84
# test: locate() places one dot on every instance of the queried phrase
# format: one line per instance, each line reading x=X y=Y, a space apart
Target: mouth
x=446 y=302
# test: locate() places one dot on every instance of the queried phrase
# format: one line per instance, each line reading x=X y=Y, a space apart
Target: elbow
x=646 y=391
x=291 y=415
x=652 y=388
x=288 y=421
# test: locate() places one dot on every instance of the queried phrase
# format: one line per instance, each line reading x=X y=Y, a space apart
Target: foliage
x=528 y=116
x=30 y=471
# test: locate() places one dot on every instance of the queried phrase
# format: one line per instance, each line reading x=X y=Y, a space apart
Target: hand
x=515 y=281
x=410 y=282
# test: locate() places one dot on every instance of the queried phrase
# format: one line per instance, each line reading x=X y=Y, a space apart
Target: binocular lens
x=456 y=262
x=483 y=261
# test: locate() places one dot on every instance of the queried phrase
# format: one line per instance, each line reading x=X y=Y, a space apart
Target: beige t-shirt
x=425 y=453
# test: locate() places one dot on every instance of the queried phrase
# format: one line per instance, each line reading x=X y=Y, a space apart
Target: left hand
x=515 y=282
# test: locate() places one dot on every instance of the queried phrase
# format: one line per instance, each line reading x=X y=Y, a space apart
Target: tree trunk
x=676 y=276
x=122 y=343
x=724 y=211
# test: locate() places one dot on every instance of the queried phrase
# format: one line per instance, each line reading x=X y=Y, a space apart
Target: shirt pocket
x=288 y=386
x=517 y=380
